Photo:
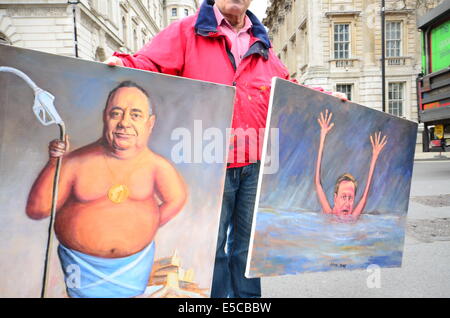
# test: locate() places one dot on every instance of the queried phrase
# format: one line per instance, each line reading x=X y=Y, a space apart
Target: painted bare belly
x=107 y=229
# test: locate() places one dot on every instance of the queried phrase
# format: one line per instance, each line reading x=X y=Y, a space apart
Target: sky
x=258 y=7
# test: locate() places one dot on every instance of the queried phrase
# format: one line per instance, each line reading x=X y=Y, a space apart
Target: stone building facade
x=177 y=9
x=336 y=44
x=102 y=26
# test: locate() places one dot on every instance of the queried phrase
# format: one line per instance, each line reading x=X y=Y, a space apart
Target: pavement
x=431 y=156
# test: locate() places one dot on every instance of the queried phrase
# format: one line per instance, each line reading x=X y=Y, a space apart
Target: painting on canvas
x=121 y=158
x=338 y=198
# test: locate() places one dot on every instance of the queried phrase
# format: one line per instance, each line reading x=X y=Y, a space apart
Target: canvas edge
x=220 y=202
x=261 y=173
x=72 y=59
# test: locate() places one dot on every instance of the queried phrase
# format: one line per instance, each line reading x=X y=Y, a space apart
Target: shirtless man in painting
x=114 y=194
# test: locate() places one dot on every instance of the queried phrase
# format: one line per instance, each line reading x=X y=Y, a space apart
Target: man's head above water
x=344 y=194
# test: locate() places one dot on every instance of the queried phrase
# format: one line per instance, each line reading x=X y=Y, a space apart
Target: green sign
x=424 y=58
x=440 y=47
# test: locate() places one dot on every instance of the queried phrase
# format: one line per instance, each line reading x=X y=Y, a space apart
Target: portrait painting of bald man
x=339 y=198
x=136 y=214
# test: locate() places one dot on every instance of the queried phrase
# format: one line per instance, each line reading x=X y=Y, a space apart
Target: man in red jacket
x=226 y=44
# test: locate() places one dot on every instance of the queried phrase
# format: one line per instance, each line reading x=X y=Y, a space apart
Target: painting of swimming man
x=339 y=198
x=346 y=184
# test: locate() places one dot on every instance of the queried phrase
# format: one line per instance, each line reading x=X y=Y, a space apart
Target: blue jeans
x=234 y=235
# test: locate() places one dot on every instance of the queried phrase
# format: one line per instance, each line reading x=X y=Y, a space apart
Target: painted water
x=289 y=242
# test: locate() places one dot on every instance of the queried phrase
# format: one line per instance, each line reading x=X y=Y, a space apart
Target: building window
x=144 y=36
x=100 y=54
x=393 y=39
x=135 y=41
x=284 y=54
x=94 y=4
x=110 y=14
x=396 y=98
x=305 y=45
x=124 y=31
x=346 y=89
x=154 y=11
x=342 y=41
x=186 y=12
x=174 y=12
x=292 y=61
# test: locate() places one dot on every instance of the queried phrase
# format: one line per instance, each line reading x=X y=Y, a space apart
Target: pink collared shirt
x=240 y=40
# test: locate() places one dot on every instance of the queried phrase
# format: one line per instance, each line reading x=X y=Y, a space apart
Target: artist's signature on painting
x=338 y=265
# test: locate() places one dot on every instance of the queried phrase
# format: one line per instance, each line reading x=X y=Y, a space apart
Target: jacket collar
x=206 y=23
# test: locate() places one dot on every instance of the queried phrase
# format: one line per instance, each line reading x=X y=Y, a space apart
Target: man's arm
x=40 y=197
x=378 y=144
x=171 y=189
x=324 y=122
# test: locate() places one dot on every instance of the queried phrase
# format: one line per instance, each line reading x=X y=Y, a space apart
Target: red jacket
x=194 y=48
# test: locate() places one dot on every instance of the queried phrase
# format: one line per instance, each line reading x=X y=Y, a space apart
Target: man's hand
x=341 y=96
x=378 y=144
x=114 y=61
x=324 y=122
x=57 y=148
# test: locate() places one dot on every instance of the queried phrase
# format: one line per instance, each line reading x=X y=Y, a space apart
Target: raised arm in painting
x=378 y=142
x=325 y=126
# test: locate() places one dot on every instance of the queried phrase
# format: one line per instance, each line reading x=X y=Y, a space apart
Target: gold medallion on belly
x=118 y=193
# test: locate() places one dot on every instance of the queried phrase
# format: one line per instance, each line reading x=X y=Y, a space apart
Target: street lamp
x=383 y=57
x=74 y=4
